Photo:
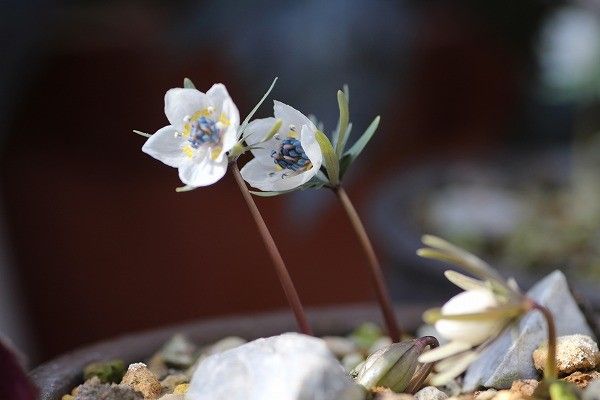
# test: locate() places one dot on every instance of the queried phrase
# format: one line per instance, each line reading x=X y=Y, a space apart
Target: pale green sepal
x=347 y=135
x=464 y=282
x=458 y=368
x=499 y=312
x=444 y=351
x=237 y=150
x=144 y=134
x=329 y=158
x=256 y=107
x=344 y=119
x=185 y=188
x=188 y=84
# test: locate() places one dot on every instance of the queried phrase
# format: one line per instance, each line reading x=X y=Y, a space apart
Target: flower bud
x=394 y=366
x=473 y=332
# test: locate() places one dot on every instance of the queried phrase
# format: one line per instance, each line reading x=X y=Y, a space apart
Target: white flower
x=473 y=332
x=203 y=129
x=290 y=158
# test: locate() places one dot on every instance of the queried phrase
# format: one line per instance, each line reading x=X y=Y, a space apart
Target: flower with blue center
x=286 y=153
x=203 y=128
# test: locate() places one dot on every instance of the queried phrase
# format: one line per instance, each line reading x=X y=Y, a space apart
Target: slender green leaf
x=256 y=107
x=360 y=144
x=329 y=158
x=343 y=121
x=188 y=84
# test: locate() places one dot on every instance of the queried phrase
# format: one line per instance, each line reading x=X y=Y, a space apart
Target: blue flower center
x=204 y=130
x=291 y=156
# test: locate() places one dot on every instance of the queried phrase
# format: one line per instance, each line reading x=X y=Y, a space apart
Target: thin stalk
x=280 y=268
x=376 y=273
x=550 y=373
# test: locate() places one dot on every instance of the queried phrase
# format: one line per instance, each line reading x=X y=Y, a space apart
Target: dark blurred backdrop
x=95 y=241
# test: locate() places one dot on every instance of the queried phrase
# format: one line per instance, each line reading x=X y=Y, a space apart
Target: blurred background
x=488 y=137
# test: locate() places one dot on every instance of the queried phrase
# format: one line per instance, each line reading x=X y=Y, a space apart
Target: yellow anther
x=224 y=120
x=293 y=134
x=278 y=167
x=188 y=151
x=215 y=152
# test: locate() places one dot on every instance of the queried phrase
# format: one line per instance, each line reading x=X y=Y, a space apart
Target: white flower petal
x=164 y=146
x=217 y=95
x=254 y=133
x=202 y=172
x=291 y=116
x=230 y=136
x=311 y=148
x=181 y=102
x=474 y=332
x=268 y=179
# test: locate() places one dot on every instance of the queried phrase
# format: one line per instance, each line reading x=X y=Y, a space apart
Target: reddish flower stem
x=376 y=273
x=280 y=268
x=550 y=372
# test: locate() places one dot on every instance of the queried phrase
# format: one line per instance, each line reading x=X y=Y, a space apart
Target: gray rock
x=430 y=393
x=592 y=392
x=509 y=357
x=285 y=367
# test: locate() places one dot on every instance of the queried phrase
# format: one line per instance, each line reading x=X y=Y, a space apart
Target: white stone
x=285 y=367
x=430 y=393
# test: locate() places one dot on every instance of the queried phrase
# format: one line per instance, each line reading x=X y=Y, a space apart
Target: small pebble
x=179 y=352
x=181 y=389
x=352 y=360
x=170 y=382
x=107 y=371
x=525 y=387
x=381 y=393
x=592 y=392
x=224 y=344
x=582 y=379
x=141 y=379
x=93 y=389
x=430 y=393
x=340 y=346
x=173 y=397
x=509 y=395
x=486 y=394
x=573 y=353
x=380 y=343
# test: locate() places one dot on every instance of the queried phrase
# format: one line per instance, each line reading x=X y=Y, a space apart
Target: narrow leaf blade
x=360 y=144
x=256 y=107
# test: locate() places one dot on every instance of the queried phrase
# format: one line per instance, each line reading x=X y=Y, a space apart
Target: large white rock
x=285 y=367
x=509 y=357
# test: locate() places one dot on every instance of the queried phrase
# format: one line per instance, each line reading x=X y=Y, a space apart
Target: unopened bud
x=395 y=365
